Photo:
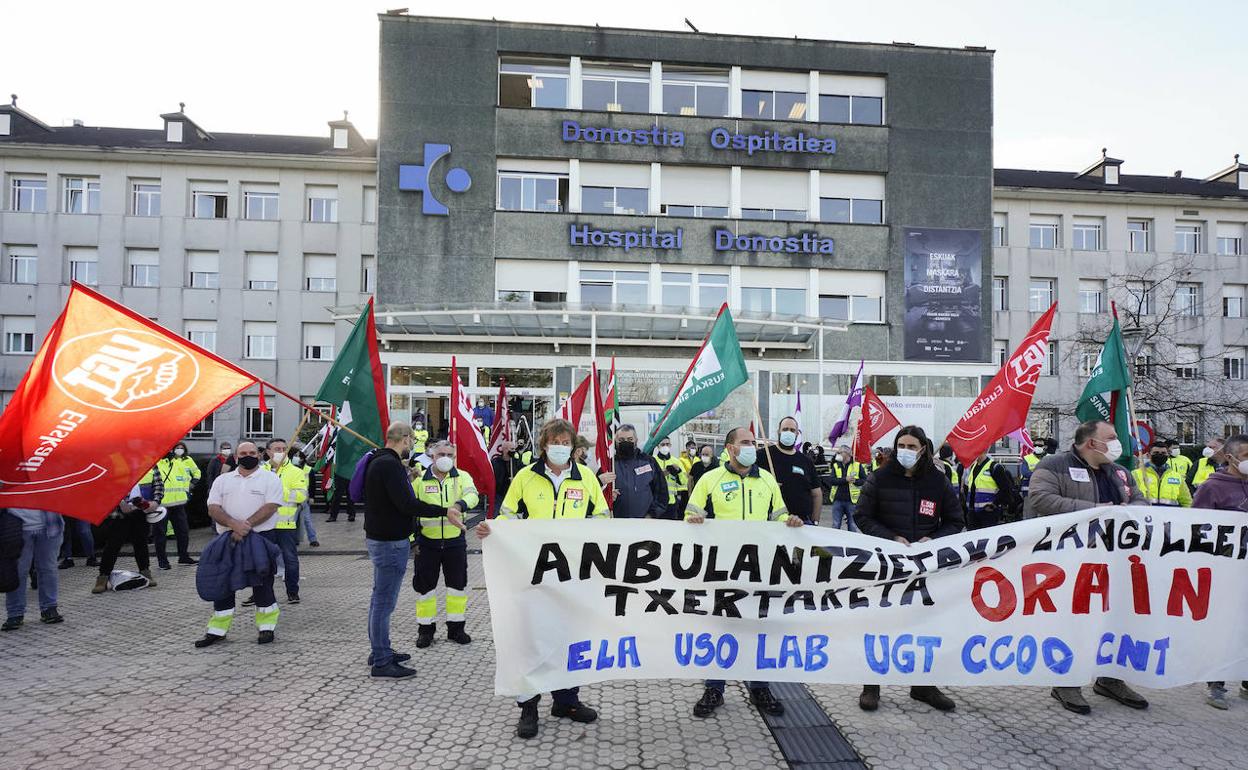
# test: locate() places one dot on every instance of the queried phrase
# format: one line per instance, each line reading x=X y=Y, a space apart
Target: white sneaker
x=1217 y=698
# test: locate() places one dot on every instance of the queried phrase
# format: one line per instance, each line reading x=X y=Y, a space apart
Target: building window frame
x=80 y=195
x=769 y=102
x=145 y=199
x=28 y=194
x=261 y=205
x=210 y=204
x=530 y=185
x=1000 y=293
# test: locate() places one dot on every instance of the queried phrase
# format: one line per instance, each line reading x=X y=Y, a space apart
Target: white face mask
x=788 y=438
x=747 y=456
x=1174 y=452
x=665 y=451
x=908 y=457
x=1207 y=452
x=559 y=454
x=1243 y=467
x=444 y=464
x=1113 y=450
x=1040 y=451
x=179 y=452
x=706 y=459
x=276 y=458
x=297 y=461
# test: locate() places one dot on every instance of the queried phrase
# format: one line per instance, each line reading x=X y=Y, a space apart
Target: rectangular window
x=84 y=263
x=257 y=424
x=773 y=105
x=81 y=195
x=145 y=198
x=711 y=290
x=766 y=299
x=1231 y=239
x=1185 y=430
x=370 y=205
x=1045 y=231
x=144 y=267
x=615 y=200
x=1188 y=237
x=1233 y=300
x=697 y=212
x=863 y=110
x=1000 y=350
x=533 y=83
x=205 y=428
x=1086 y=234
x=999 y=222
x=1091 y=296
x=260 y=271
x=1145 y=362
x=1042 y=423
x=853 y=308
x=695 y=92
x=518 y=191
x=615 y=89
x=259 y=339
x=203 y=333
x=856 y=210
x=1188 y=300
x=677 y=289
x=1040 y=294
x=23 y=264
x=1138 y=238
x=19 y=334
x=318 y=342
x=1000 y=293
x=1087 y=362
x=781 y=215
x=260 y=203
x=1141 y=296
x=203 y=269
x=1050 y=363
x=320 y=272
x=1187 y=362
x=368 y=274
x=28 y=194
x=322 y=203
x=614 y=287
x=1233 y=364
x=209 y=203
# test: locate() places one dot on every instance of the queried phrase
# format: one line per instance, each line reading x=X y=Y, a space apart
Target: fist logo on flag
x=1025 y=367
x=875 y=416
x=123 y=370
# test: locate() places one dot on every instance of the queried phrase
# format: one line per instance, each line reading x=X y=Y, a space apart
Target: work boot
x=101 y=585
x=711 y=699
x=1071 y=699
x=933 y=697
x=65 y=564
x=577 y=712
x=209 y=640
x=424 y=635
x=870 y=698
x=12 y=624
x=765 y=702
x=147 y=573
x=50 y=616
x=265 y=637
x=455 y=632
x=1118 y=690
x=527 y=726
x=1217 y=696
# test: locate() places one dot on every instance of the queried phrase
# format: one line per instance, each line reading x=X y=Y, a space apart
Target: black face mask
x=250 y=462
x=1160 y=460
x=625 y=448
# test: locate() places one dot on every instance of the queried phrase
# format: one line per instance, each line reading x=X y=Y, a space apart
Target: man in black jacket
x=989 y=494
x=640 y=487
x=390 y=506
x=506 y=465
x=909 y=500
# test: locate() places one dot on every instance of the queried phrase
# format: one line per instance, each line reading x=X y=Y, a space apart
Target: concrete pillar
x=812 y=205
x=574 y=83
x=734 y=92
x=734 y=189
x=812 y=97
x=656 y=87
x=656 y=187
x=574 y=185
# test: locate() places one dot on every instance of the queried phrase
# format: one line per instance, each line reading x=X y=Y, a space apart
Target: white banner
x=1155 y=596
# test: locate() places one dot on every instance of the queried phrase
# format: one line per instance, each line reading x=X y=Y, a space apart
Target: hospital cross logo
x=123 y=370
x=416 y=178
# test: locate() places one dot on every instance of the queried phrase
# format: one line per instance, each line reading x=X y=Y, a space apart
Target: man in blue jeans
x=390 y=507
x=41 y=542
x=842 y=489
x=86 y=538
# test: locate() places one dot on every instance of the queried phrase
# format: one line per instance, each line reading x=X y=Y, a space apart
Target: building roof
x=1127 y=183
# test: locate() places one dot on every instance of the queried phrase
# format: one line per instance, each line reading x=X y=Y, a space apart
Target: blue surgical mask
x=559 y=454
x=788 y=438
x=747 y=455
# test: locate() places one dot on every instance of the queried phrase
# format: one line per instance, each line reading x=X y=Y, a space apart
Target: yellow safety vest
x=752 y=497
x=1167 y=488
x=527 y=457
x=1204 y=469
x=687 y=462
x=294 y=494
x=982 y=489
x=419 y=439
x=674 y=485
x=177 y=474
x=1181 y=465
x=455 y=487
x=857 y=471
x=532 y=495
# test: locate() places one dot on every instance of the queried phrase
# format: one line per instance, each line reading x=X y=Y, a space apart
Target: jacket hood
x=1226 y=480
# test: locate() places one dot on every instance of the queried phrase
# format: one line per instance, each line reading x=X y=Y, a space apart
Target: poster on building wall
x=943 y=270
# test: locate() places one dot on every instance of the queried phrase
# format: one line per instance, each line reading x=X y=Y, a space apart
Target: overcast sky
x=1158 y=82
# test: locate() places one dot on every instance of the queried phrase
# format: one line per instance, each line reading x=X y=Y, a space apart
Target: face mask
x=907 y=457
x=1113 y=450
x=444 y=464
x=1174 y=452
x=1159 y=459
x=666 y=451
x=1207 y=452
x=559 y=454
x=788 y=438
x=1040 y=451
x=625 y=448
x=225 y=450
x=1243 y=467
x=179 y=452
x=298 y=461
x=747 y=455
x=276 y=458
x=250 y=462
x=706 y=459
x=418 y=426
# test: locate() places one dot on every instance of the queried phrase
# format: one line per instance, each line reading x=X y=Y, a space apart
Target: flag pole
x=1141 y=450
x=298 y=428
x=762 y=430
x=325 y=416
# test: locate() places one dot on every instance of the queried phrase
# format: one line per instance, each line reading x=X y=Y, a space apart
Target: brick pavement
x=119 y=684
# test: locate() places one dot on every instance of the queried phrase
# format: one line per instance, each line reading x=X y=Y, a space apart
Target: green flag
x=356 y=388
x=1105 y=396
x=717 y=370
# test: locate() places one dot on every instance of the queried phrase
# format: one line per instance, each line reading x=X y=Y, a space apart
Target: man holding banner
x=1086 y=477
x=738 y=490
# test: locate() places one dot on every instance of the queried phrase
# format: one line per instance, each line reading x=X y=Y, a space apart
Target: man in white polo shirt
x=242 y=501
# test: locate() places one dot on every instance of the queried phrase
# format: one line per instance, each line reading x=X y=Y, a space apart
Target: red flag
x=602 y=450
x=502 y=420
x=263 y=405
x=574 y=405
x=1002 y=406
x=470 y=452
x=874 y=424
x=106 y=396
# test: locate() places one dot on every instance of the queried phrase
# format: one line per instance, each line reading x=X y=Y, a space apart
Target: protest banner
x=1149 y=595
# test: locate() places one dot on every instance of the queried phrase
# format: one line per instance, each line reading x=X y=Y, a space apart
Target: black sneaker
x=577 y=712
x=331 y=520
x=266 y=637
x=186 y=560
x=12 y=624
x=92 y=562
x=50 y=616
x=392 y=670
x=399 y=657
x=209 y=640
x=711 y=699
x=315 y=544
x=65 y=564
x=424 y=635
x=933 y=697
x=869 y=700
x=292 y=598
x=166 y=565
x=765 y=702
x=527 y=726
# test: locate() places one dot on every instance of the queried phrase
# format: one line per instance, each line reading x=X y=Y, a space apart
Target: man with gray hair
x=640 y=488
x=1086 y=477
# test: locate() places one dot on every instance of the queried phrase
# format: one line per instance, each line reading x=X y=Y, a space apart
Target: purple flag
x=797 y=413
x=854 y=399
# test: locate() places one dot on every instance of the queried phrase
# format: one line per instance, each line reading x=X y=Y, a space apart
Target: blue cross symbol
x=416 y=178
